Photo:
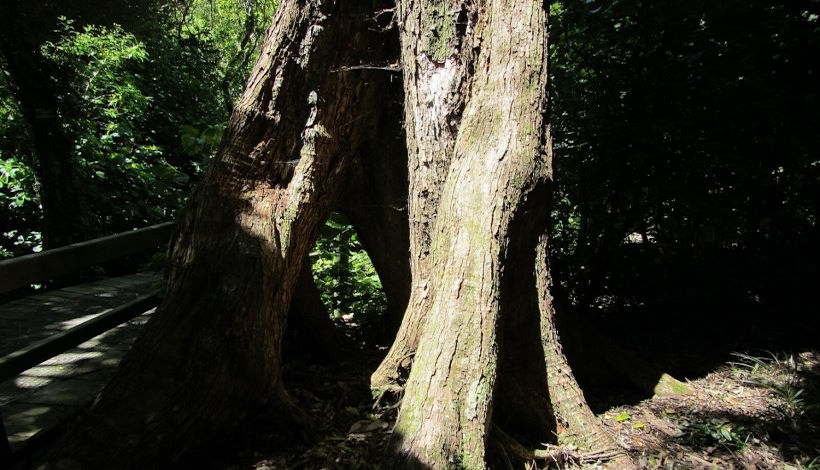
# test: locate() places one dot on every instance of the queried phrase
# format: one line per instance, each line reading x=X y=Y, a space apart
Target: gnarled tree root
x=388 y=389
x=553 y=455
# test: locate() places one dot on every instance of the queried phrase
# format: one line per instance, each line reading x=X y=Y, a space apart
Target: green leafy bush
x=20 y=208
x=345 y=276
x=123 y=169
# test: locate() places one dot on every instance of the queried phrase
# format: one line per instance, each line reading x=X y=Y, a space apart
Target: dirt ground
x=755 y=412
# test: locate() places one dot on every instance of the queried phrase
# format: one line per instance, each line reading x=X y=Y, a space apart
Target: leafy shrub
x=123 y=170
x=20 y=210
x=345 y=276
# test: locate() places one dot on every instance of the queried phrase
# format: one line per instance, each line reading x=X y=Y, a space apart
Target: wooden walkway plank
x=22 y=318
x=35 y=353
x=50 y=392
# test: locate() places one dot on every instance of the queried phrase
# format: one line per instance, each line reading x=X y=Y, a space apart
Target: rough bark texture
x=211 y=356
x=475 y=93
x=374 y=197
x=433 y=82
x=479 y=331
x=575 y=422
x=311 y=333
x=479 y=316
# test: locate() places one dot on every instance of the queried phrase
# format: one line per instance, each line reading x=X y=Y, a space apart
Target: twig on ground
x=560 y=456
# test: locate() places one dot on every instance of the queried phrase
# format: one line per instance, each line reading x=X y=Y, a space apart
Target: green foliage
x=16 y=182
x=19 y=198
x=195 y=140
x=142 y=106
x=118 y=158
x=182 y=78
x=235 y=28
x=18 y=195
x=715 y=432
x=809 y=463
x=345 y=275
x=565 y=225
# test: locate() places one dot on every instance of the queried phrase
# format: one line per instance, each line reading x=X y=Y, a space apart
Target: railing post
x=5 y=447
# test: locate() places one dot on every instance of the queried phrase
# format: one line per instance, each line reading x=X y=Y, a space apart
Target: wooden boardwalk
x=59 y=388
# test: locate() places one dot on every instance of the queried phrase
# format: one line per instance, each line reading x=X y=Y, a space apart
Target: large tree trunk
x=476 y=96
x=433 y=105
x=478 y=331
x=211 y=355
x=479 y=169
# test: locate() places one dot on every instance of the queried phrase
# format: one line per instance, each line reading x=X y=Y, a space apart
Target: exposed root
x=558 y=456
x=284 y=411
x=397 y=390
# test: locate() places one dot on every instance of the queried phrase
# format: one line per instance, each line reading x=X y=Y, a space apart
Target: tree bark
x=575 y=422
x=476 y=95
x=479 y=329
x=374 y=198
x=211 y=355
x=311 y=333
x=433 y=106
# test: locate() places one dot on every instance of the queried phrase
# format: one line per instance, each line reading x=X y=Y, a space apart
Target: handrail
x=5 y=448
x=29 y=269
x=50 y=264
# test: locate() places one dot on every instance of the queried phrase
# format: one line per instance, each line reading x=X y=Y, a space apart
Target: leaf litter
x=751 y=413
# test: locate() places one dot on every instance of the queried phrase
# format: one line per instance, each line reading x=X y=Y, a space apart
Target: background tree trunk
x=374 y=198
x=211 y=355
x=575 y=422
x=311 y=333
x=34 y=87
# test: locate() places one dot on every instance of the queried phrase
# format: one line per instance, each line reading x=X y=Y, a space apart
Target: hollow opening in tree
x=349 y=286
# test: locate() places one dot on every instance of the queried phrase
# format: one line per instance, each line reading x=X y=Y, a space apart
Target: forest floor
x=751 y=413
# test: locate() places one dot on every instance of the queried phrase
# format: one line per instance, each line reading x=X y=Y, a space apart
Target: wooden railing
x=52 y=264
x=40 y=267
